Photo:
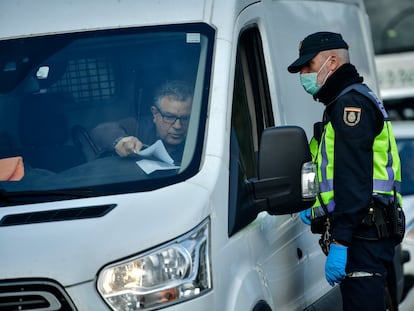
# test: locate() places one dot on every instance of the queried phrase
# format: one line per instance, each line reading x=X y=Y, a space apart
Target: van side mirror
x=286 y=177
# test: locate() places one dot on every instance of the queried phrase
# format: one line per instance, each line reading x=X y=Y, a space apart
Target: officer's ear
x=334 y=62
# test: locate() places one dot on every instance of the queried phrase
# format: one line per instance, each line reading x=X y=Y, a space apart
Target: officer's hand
x=127 y=146
x=335 y=264
x=306 y=216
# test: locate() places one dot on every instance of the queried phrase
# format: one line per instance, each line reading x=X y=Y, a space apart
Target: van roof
x=27 y=17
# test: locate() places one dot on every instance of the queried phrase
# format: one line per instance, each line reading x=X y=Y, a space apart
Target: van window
x=251 y=114
x=67 y=99
x=87 y=79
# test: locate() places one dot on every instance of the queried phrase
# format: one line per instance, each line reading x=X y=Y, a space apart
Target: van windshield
x=102 y=112
x=392 y=24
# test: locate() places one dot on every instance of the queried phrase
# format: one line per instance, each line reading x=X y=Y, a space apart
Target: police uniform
x=357 y=160
x=356 y=122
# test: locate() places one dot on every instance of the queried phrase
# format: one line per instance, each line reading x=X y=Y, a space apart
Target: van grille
x=33 y=295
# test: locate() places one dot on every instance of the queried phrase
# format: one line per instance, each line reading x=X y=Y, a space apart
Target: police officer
x=358 y=162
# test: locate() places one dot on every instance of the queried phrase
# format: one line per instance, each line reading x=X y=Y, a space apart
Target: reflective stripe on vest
x=386 y=171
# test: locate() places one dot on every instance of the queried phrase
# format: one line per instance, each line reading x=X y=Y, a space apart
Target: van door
x=272 y=240
x=288 y=22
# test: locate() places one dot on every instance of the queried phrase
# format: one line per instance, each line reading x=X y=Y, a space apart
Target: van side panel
x=293 y=101
x=312 y=16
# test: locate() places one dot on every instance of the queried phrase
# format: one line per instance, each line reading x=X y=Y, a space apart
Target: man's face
x=171 y=119
x=315 y=65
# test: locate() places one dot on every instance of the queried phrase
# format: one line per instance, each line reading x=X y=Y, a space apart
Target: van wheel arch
x=262 y=306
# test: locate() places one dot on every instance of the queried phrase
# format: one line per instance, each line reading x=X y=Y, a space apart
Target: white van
x=84 y=229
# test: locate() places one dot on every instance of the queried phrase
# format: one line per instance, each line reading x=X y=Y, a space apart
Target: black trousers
x=367 y=293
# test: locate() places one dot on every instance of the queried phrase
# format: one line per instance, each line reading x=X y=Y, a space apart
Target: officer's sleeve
x=354 y=120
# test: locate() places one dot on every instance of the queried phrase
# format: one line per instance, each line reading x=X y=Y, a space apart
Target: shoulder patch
x=352 y=116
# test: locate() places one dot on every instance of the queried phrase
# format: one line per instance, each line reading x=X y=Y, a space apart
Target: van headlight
x=310 y=184
x=176 y=271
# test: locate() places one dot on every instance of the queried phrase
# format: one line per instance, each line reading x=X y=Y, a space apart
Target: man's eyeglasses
x=171 y=118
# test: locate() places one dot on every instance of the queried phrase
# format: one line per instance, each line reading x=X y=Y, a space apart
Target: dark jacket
x=353 y=166
x=105 y=135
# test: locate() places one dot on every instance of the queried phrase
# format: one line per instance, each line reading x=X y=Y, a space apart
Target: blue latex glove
x=335 y=264
x=306 y=216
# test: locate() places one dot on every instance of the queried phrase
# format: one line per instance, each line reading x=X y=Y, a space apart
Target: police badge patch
x=352 y=116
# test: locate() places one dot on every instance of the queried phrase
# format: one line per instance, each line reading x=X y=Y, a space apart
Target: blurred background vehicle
x=392 y=24
x=404 y=132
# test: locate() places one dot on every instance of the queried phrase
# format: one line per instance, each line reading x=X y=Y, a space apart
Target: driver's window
x=251 y=114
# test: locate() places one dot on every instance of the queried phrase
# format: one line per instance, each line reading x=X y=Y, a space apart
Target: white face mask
x=309 y=81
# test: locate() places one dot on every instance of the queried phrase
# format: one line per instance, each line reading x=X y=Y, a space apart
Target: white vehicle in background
x=392 y=24
x=404 y=133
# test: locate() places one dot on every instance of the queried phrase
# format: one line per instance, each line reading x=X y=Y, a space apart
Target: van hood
x=73 y=251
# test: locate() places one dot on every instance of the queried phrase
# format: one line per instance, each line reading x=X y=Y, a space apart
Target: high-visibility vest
x=386 y=170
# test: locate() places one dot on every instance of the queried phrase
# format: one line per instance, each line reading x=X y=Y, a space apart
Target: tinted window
x=251 y=114
x=406 y=151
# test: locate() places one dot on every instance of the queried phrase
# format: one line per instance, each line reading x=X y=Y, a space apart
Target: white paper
x=161 y=159
x=158 y=151
x=149 y=166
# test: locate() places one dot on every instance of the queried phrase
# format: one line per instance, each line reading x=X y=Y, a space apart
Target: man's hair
x=341 y=54
x=179 y=90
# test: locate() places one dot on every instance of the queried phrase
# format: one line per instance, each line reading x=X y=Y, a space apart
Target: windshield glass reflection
x=108 y=111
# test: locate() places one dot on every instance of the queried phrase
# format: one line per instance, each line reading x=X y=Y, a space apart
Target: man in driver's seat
x=169 y=122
